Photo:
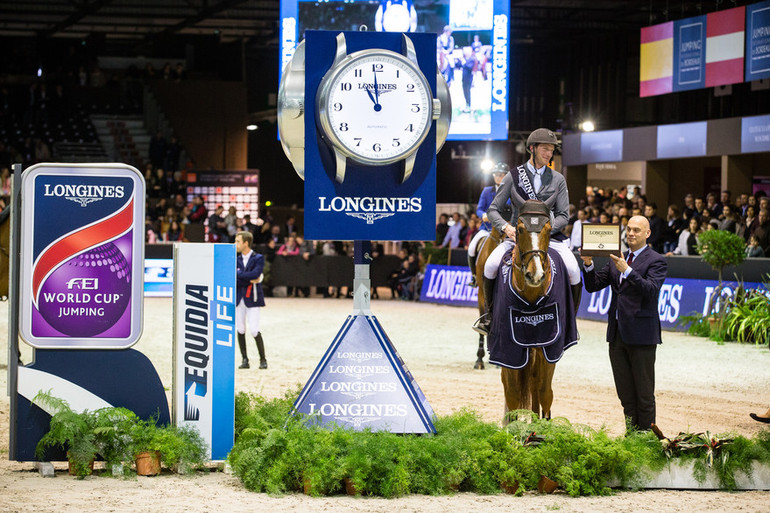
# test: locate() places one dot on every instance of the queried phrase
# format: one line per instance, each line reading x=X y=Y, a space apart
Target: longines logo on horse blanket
x=550 y=323
x=545 y=320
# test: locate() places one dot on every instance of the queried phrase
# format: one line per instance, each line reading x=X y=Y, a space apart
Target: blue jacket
x=243 y=279
x=634 y=306
x=487 y=195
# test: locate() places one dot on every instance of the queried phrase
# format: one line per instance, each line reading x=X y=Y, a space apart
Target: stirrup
x=472 y=283
x=483 y=324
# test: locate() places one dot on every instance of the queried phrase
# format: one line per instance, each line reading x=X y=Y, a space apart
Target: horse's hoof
x=479 y=366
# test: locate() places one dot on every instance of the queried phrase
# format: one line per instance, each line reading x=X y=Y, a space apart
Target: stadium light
x=487 y=165
x=587 y=126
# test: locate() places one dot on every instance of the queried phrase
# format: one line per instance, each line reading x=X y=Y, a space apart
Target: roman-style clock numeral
x=358 y=73
x=346 y=86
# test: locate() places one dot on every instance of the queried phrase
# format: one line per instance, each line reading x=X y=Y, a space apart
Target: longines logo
x=368 y=208
x=382 y=88
x=84 y=194
x=534 y=320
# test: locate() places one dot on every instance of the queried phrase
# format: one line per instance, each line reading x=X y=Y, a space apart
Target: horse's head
x=532 y=238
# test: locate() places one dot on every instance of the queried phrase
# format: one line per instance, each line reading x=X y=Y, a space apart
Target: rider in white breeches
x=534 y=180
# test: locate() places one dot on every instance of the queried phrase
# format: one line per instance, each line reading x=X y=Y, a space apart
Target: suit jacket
x=243 y=277
x=634 y=306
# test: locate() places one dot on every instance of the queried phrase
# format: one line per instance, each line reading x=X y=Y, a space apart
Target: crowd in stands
x=676 y=232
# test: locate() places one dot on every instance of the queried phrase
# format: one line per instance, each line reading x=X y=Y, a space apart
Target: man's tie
x=630 y=258
x=538 y=182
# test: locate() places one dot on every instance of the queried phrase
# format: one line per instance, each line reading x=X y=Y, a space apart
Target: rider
x=534 y=180
x=487 y=195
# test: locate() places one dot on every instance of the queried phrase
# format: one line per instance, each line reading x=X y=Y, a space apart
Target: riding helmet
x=542 y=136
x=500 y=168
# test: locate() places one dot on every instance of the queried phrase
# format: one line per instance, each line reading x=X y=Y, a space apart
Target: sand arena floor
x=700 y=386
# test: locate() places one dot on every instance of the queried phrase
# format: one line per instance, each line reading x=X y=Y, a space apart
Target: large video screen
x=472 y=48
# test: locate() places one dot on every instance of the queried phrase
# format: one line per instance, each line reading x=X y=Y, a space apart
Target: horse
x=5 y=250
x=530 y=333
x=530 y=387
x=484 y=248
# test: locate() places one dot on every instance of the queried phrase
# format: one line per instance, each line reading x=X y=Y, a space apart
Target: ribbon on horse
x=513 y=333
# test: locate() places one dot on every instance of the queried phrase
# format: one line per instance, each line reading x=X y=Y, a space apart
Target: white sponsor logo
x=368 y=208
x=83 y=194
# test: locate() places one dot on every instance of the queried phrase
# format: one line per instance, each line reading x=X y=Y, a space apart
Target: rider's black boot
x=483 y=324
x=472 y=267
x=577 y=291
x=261 y=350
x=242 y=347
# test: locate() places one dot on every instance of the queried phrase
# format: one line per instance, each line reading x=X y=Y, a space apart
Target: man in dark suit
x=633 y=325
x=249 y=296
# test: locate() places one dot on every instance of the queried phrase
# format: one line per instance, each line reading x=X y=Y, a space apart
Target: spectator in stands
x=231 y=223
x=715 y=208
x=289 y=248
x=290 y=228
x=699 y=206
x=250 y=227
x=167 y=73
x=179 y=72
x=725 y=198
x=198 y=212
x=5 y=181
x=674 y=226
x=762 y=231
x=406 y=274
x=179 y=203
x=741 y=202
x=161 y=187
x=655 y=240
x=576 y=237
x=217 y=226
x=751 y=221
x=149 y=71
x=728 y=220
x=689 y=210
x=452 y=237
x=157 y=150
x=441 y=228
x=174 y=232
x=754 y=250
x=687 y=240
x=306 y=250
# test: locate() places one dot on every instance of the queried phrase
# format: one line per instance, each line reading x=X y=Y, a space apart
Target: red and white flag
x=725 y=46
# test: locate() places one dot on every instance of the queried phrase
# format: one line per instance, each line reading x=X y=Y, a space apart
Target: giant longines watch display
x=373 y=106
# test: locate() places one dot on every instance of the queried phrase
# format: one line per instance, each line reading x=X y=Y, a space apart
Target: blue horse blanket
x=517 y=325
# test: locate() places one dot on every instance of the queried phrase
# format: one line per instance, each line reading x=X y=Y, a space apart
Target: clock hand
x=371 y=97
x=377 y=106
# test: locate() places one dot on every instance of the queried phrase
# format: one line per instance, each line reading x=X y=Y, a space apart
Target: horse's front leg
x=480 y=354
x=546 y=390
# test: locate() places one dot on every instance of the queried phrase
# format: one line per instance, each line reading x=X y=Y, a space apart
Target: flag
x=725 y=46
x=656 y=59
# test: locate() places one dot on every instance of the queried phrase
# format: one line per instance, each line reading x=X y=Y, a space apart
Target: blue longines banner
x=448 y=285
x=758 y=41
x=755 y=134
x=371 y=203
x=690 y=53
x=204 y=352
x=678 y=296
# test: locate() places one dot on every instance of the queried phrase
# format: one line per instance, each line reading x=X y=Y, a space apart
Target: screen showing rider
x=533 y=180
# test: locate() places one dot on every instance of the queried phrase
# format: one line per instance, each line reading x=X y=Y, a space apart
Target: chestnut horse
x=530 y=386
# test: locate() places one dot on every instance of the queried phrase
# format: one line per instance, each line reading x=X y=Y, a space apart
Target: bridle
x=534 y=216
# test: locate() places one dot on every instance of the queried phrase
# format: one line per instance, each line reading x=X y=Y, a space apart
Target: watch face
x=375 y=106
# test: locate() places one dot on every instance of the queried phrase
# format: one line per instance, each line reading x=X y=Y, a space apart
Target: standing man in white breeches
x=533 y=180
x=249 y=297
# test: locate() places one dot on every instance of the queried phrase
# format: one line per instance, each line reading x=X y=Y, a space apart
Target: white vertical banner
x=204 y=342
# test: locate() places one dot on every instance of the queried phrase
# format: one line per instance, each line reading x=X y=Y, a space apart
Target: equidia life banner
x=204 y=336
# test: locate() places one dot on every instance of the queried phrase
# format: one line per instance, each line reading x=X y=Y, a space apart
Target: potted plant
x=72 y=431
x=720 y=248
x=112 y=430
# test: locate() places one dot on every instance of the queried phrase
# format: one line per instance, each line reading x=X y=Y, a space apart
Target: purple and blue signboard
x=758 y=41
x=82 y=261
x=690 y=53
x=755 y=134
x=682 y=140
x=604 y=146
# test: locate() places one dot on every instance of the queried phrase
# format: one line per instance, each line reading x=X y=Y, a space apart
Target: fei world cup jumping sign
x=82 y=256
